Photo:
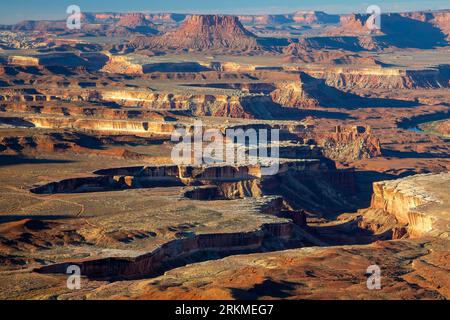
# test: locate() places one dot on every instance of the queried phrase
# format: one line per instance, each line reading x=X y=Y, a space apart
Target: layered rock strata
x=204 y=32
x=420 y=202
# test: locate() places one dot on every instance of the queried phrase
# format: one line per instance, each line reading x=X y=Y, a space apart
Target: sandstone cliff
x=421 y=202
x=376 y=77
x=122 y=65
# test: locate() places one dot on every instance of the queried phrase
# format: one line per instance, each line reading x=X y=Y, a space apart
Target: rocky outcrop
x=122 y=65
x=203 y=32
x=24 y=61
x=232 y=67
x=344 y=143
x=350 y=143
x=299 y=94
x=355 y=24
x=421 y=202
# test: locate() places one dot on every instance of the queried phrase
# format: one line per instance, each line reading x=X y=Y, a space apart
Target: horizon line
x=188 y=12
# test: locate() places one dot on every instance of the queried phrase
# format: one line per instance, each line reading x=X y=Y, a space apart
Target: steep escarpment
x=323 y=188
x=74 y=110
x=297 y=177
x=300 y=94
x=354 y=24
x=179 y=252
x=111 y=126
x=245 y=106
x=310 y=92
x=420 y=202
x=122 y=65
x=383 y=78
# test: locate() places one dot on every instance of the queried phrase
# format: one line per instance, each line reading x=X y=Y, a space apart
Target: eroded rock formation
x=122 y=64
x=176 y=251
x=383 y=78
x=420 y=202
x=203 y=32
x=350 y=143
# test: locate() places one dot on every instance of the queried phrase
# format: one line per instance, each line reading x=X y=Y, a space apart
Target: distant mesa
x=134 y=23
x=311 y=17
x=300 y=17
x=133 y=20
x=96 y=24
x=421 y=30
x=201 y=32
x=43 y=26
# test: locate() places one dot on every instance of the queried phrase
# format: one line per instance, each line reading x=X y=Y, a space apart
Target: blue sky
x=12 y=11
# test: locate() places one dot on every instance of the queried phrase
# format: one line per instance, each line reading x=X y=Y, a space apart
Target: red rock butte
x=200 y=32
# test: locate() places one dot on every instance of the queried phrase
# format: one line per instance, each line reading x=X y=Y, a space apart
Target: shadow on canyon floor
x=404 y=32
x=414 y=154
x=364 y=182
x=285 y=113
x=347 y=233
x=10 y=160
x=13 y=218
x=268 y=288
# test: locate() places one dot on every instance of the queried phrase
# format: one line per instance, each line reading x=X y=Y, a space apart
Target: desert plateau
x=359 y=114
